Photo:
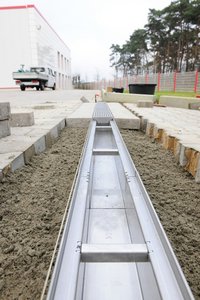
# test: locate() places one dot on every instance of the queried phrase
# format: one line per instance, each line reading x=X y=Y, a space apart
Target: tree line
x=170 y=41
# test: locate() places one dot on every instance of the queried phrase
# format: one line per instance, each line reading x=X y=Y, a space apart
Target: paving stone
x=195 y=106
x=4 y=111
x=82 y=116
x=11 y=161
x=16 y=143
x=1 y=175
x=21 y=119
x=125 y=98
x=4 y=128
x=180 y=102
x=145 y=103
x=29 y=153
x=18 y=162
x=40 y=145
x=123 y=117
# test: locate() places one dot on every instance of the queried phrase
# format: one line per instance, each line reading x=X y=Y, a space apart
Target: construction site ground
x=34 y=197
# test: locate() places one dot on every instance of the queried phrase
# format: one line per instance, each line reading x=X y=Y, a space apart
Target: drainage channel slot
x=105 y=152
x=114 y=253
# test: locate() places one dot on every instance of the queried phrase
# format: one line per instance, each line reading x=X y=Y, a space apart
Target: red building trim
x=9 y=88
x=16 y=7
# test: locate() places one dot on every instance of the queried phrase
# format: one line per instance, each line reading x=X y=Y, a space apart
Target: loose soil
x=33 y=200
x=176 y=199
x=32 y=204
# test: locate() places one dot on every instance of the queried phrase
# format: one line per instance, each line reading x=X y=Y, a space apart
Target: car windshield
x=38 y=70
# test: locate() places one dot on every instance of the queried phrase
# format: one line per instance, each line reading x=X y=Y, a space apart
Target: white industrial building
x=27 y=39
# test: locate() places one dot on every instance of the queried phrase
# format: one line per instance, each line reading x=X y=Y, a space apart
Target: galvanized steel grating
x=102 y=114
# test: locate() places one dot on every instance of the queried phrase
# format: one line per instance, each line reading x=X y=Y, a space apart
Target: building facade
x=26 y=38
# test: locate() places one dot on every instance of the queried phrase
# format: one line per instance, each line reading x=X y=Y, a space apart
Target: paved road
x=26 y=98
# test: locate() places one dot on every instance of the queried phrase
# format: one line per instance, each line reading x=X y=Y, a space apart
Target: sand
x=32 y=203
x=33 y=200
x=176 y=199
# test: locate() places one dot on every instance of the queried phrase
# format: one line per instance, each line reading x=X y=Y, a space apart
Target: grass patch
x=178 y=94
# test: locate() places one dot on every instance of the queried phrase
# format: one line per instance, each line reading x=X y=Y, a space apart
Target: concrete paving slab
x=144 y=103
x=4 y=111
x=123 y=117
x=82 y=116
x=181 y=102
x=125 y=98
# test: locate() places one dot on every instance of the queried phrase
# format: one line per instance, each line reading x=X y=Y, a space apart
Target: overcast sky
x=90 y=27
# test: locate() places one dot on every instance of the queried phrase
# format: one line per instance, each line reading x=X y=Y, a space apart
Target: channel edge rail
x=113 y=245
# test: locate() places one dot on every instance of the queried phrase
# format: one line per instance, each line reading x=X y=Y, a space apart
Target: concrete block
x=195 y=106
x=84 y=100
x=61 y=125
x=51 y=136
x=29 y=153
x=197 y=175
x=18 y=162
x=11 y=161
x=4 y=111
x=54 y=133
x=40 y=145
x=182 y=158
x=48 y=140
x=126 y=98
x=145 y=103
x=143 y=124
x=168 y=139
x=123 y=117
x=150 y=129
x=157 y=133
x=4 y=128
x=177 y=149
x=181 y=102
x=82 y=116
x=22 y=119
x=1 y=175
x=78 y=122
x=193 y=158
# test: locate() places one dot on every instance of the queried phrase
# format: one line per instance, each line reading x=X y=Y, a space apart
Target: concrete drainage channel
x=29 y=251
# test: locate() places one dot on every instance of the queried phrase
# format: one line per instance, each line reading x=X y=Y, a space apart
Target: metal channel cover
x=102 y=114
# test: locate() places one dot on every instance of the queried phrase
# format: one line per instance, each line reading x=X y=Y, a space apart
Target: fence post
x=146 y=78
x=196 y=81
x=159 y=79
x=175 y=78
